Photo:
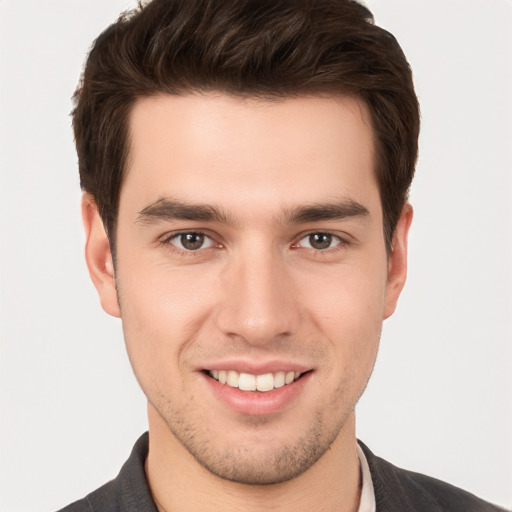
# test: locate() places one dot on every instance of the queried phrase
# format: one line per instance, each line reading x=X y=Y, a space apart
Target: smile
x=248 y=382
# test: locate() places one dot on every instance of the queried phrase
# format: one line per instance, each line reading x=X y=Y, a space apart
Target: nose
x=258 y=299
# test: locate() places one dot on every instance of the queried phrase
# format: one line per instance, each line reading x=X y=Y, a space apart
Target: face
x=252 y=275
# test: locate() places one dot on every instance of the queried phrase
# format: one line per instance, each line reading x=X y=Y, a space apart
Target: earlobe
x=397 y=263
x=99 y=257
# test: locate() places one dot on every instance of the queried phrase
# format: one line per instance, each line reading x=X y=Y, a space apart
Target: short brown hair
x=261 y=48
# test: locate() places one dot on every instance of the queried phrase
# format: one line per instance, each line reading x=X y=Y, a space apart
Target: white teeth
x=279 y=380
x=264 y=382
x=248 y=382
x=233 y=379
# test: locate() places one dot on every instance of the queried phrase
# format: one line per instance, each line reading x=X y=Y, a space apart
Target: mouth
x=248 y=382
x=258 y=389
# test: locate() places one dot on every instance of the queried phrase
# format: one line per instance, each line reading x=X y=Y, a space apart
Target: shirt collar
x=367 y=500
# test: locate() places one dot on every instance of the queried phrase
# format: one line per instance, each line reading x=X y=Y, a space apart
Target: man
x=246 y=168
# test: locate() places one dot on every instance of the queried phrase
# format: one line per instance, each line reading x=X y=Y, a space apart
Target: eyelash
x=167 y=243
x=342 y=242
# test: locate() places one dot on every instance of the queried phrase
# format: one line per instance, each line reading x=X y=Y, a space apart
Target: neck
x=179 y=483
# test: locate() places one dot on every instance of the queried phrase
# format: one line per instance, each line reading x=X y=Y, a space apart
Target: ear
x=397 y=261
x=98 y=256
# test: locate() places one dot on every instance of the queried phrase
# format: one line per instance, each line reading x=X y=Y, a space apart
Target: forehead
x=217 y=148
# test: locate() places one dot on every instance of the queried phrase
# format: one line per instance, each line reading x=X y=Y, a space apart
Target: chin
x=258 y=459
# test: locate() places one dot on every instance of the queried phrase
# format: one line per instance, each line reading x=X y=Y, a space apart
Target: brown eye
x=191 y=241
x=319 y=241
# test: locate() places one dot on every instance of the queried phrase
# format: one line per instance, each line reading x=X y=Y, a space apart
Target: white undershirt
x=367 y=501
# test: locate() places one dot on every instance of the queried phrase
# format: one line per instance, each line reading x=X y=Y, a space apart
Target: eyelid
x=168 y=238
x=344 y=239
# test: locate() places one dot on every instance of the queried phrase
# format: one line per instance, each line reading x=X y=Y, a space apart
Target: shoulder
x=397 y=489
x=128 y=492
x=103 y=499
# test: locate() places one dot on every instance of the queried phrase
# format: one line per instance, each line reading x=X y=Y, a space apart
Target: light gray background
x=439 y=401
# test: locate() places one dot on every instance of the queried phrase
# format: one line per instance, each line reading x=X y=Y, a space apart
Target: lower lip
x=256 y=403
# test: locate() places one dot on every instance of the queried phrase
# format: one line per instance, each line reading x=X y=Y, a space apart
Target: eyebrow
x=316 y=212
x=167 y=209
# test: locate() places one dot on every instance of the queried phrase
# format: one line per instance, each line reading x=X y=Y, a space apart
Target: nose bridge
x=258 y=301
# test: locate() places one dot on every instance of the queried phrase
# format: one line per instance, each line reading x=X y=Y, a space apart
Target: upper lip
x=257 y=368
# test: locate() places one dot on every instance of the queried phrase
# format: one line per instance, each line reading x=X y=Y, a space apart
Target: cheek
x=347 y=307
x=162 y=311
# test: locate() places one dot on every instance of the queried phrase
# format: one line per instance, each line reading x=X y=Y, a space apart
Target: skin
x=257 y=290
